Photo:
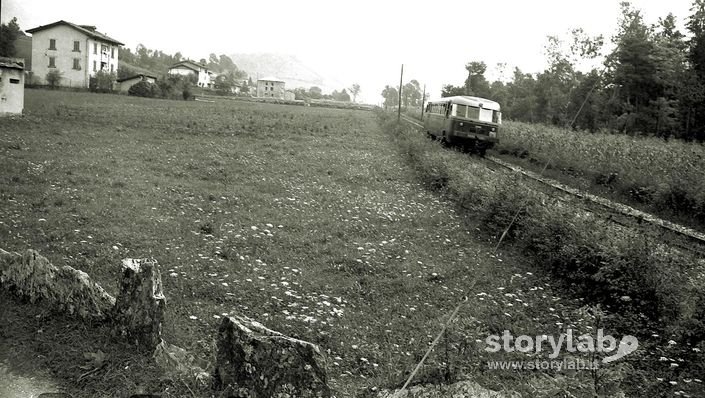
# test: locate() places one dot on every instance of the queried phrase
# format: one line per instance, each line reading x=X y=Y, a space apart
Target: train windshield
x=476 y=113
x=486 y=115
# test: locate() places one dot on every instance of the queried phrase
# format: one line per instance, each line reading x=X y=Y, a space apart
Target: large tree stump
x=139 y=308
x=253 y=361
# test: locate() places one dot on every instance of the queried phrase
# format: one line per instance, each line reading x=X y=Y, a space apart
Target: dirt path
x=26 y=384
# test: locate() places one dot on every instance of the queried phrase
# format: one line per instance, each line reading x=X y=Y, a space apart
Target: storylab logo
x=584 y=343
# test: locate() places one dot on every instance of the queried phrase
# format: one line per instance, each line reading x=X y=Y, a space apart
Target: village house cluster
x=76 y=53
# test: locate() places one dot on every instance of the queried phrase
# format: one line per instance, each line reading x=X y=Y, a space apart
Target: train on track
x=470 y=122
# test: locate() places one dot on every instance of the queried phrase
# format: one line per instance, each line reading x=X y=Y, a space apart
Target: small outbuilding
x=11 y=86
x=127 y=82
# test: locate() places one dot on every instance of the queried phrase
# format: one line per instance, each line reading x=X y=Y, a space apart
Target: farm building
x=124 y=84
x=11 y=86
x=185 y=68
x=76 y=51
x=270 y=87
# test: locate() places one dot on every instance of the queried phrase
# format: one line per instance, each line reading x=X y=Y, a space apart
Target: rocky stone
x=66 y=288
x=253 y=361
x=177 y=362
x=461 y=389
x=140 y=305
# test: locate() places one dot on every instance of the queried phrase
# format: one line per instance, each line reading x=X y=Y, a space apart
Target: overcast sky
x=363 y=41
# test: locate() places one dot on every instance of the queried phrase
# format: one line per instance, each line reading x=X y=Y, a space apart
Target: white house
x=76 y=51
x=270 y=87
x=11 y=86
x=127 y=82
x=185 y=68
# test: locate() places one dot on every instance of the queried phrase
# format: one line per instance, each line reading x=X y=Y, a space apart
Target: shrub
x=186 y=93
x=102 y=82
x=144 y=89
x=176 y=87
x=53 y=78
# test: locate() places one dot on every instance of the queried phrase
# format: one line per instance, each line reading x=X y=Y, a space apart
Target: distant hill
x=285 y=67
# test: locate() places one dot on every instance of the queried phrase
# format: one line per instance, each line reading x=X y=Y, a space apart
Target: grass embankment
x=662 y=177
x=650 y=288
x=304 y=218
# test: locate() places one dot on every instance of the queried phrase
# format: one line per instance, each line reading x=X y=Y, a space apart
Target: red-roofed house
x=77 y=51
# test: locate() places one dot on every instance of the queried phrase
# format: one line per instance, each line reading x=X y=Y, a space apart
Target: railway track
x=676 y=234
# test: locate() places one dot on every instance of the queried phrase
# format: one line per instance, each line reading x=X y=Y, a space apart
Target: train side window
x=460 y=110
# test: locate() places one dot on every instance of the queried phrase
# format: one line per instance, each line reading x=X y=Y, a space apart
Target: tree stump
x=64 y=288
x=139 y=308
x=253 y=361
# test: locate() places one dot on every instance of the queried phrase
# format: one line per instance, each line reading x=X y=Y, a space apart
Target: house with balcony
x=78 y=52
x=188 y=67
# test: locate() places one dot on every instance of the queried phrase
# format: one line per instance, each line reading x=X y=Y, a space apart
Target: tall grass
x=665 y=175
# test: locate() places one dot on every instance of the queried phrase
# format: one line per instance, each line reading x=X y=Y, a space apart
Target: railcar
x=470 y=122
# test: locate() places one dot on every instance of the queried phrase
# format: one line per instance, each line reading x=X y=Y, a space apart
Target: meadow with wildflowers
x=309 y=220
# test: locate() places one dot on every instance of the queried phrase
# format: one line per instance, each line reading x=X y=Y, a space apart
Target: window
x=77 y=63
x=52 y=44
x=15 y=81
x=460 y=110
x=52 y=62
x=473 y=113
x=112 y=52
x=111 y=68
x=95 y=48
x=95 y=66
x=76 y=46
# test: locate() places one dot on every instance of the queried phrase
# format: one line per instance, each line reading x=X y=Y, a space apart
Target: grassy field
x=664 y=177
x=310 y=220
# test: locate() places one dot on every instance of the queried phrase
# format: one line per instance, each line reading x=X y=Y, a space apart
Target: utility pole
x=423 y=99
x=401 y=81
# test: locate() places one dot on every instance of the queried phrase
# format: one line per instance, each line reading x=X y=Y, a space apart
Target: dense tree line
x=316 y=93
x=410 y=95
x=651 y=83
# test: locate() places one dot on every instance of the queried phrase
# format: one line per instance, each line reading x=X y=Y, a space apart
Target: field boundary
x=620 y=208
